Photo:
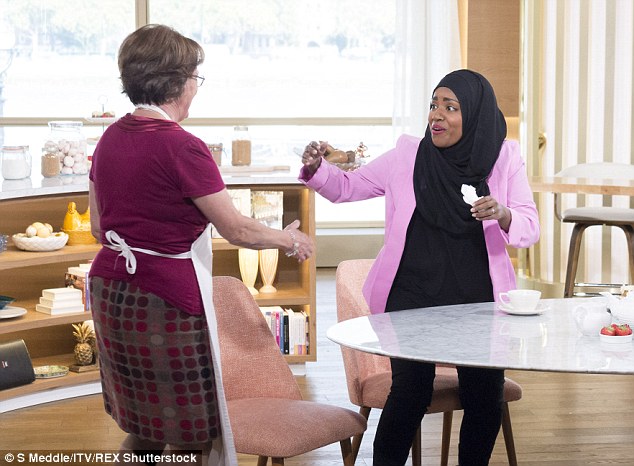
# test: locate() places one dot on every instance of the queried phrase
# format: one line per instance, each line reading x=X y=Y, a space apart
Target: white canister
x=16 y=162
x=64 y=153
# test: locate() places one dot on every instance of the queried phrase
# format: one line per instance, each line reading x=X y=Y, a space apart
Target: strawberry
x=623 y=330
x=609 y=330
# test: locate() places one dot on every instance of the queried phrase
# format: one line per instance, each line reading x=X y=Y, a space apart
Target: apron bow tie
x=118 y=244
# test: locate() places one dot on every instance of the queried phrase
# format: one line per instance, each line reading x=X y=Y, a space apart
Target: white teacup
x=521 y=300
x=592 y=317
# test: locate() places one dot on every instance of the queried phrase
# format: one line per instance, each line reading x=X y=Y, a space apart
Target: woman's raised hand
x=311 y=158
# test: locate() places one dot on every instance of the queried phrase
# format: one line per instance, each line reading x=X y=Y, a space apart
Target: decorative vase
x=248 y=261
x=268 y=269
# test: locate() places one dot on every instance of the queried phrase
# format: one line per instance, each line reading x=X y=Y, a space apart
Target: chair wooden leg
x=277 y=461
x=346 y=452
x=629 y=236
x=417 y=457
x=447 y=419
x=356 y=440
x=507 y=430
x=573 y=259
x=263 y=460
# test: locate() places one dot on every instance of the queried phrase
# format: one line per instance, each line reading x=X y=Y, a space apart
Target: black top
x=438 y=268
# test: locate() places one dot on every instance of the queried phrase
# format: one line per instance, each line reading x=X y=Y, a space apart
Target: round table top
x=483 y=335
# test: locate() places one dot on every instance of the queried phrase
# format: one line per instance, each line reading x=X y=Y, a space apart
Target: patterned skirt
x=156 y=370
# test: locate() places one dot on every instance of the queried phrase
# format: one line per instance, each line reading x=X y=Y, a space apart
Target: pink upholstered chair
x=369 y=376
x=267 y=414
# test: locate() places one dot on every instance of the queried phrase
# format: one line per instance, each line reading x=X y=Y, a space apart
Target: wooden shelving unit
x=49 y=338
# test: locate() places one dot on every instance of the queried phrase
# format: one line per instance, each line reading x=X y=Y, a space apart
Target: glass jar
x=241 y=146
x=216 y=152
x=16 y=162
x=64 y=153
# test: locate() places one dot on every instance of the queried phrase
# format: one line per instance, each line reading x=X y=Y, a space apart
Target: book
x=61 y=293
x=292 y=332
x=302 y=333
x=58 y=310
x=285 y=333
x=77 y=277
x=278 y=330
x=306 y=345
x=60 y=302
x=241 y=199
x=268 y=208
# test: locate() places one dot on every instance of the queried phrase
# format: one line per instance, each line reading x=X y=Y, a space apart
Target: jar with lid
x=16 y=162
x=64 y=153
x=241 y=146
x=216 y=152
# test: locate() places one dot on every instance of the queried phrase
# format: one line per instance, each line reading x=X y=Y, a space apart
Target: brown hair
x=155 y=62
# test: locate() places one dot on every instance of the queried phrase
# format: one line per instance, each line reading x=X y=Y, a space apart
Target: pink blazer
x=391 y=175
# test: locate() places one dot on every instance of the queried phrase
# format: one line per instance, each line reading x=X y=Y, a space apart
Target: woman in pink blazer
x=441 y=246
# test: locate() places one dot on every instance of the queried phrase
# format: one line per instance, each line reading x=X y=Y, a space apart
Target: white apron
x=223 y=452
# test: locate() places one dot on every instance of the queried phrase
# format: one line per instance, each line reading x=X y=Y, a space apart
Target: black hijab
x=440 y=173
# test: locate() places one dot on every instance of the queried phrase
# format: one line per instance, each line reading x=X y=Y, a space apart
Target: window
x=60 y=56
x=275 y=58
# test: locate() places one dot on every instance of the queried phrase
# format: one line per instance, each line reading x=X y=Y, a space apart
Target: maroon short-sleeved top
x=145 y=172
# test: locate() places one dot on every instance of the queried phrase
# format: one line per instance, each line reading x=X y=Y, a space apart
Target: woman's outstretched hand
x=311 y=158
x=301 y=245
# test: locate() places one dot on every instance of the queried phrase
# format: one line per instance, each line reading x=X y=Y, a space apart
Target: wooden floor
x=562 y=419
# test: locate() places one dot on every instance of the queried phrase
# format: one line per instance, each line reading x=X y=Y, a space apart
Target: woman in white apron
x=154 y=193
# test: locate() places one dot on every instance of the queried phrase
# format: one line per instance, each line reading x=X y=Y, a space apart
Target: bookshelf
x=49 y=338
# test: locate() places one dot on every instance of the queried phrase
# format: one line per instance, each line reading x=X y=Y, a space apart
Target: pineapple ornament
x=85 y=335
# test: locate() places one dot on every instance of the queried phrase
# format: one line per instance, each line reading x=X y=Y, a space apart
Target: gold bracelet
x=295 y=250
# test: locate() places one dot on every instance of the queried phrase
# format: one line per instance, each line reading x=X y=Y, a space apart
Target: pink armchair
x=267 y=414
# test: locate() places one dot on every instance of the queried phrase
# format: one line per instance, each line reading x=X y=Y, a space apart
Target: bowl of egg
x=40 y=237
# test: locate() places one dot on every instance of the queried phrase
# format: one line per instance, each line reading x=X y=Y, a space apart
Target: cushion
x=282 y=428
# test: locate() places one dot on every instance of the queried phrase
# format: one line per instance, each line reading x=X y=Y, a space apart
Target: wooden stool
x=577 y=234
x=584 y=217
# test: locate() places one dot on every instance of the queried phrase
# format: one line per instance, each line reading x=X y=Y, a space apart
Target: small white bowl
x=616 y=339
x=54 y=242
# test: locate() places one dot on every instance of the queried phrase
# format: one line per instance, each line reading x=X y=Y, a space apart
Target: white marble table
x=483 y=336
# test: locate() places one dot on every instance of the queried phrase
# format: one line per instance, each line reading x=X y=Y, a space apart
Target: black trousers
x=481 y=394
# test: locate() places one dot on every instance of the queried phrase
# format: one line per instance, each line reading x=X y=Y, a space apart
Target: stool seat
x=599 y=215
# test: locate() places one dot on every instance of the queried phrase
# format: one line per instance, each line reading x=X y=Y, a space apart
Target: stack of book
x=57 y=301
x=289 y=327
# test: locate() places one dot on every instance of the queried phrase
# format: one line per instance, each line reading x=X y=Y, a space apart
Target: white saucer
x=11 y=311
x=541 y=307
